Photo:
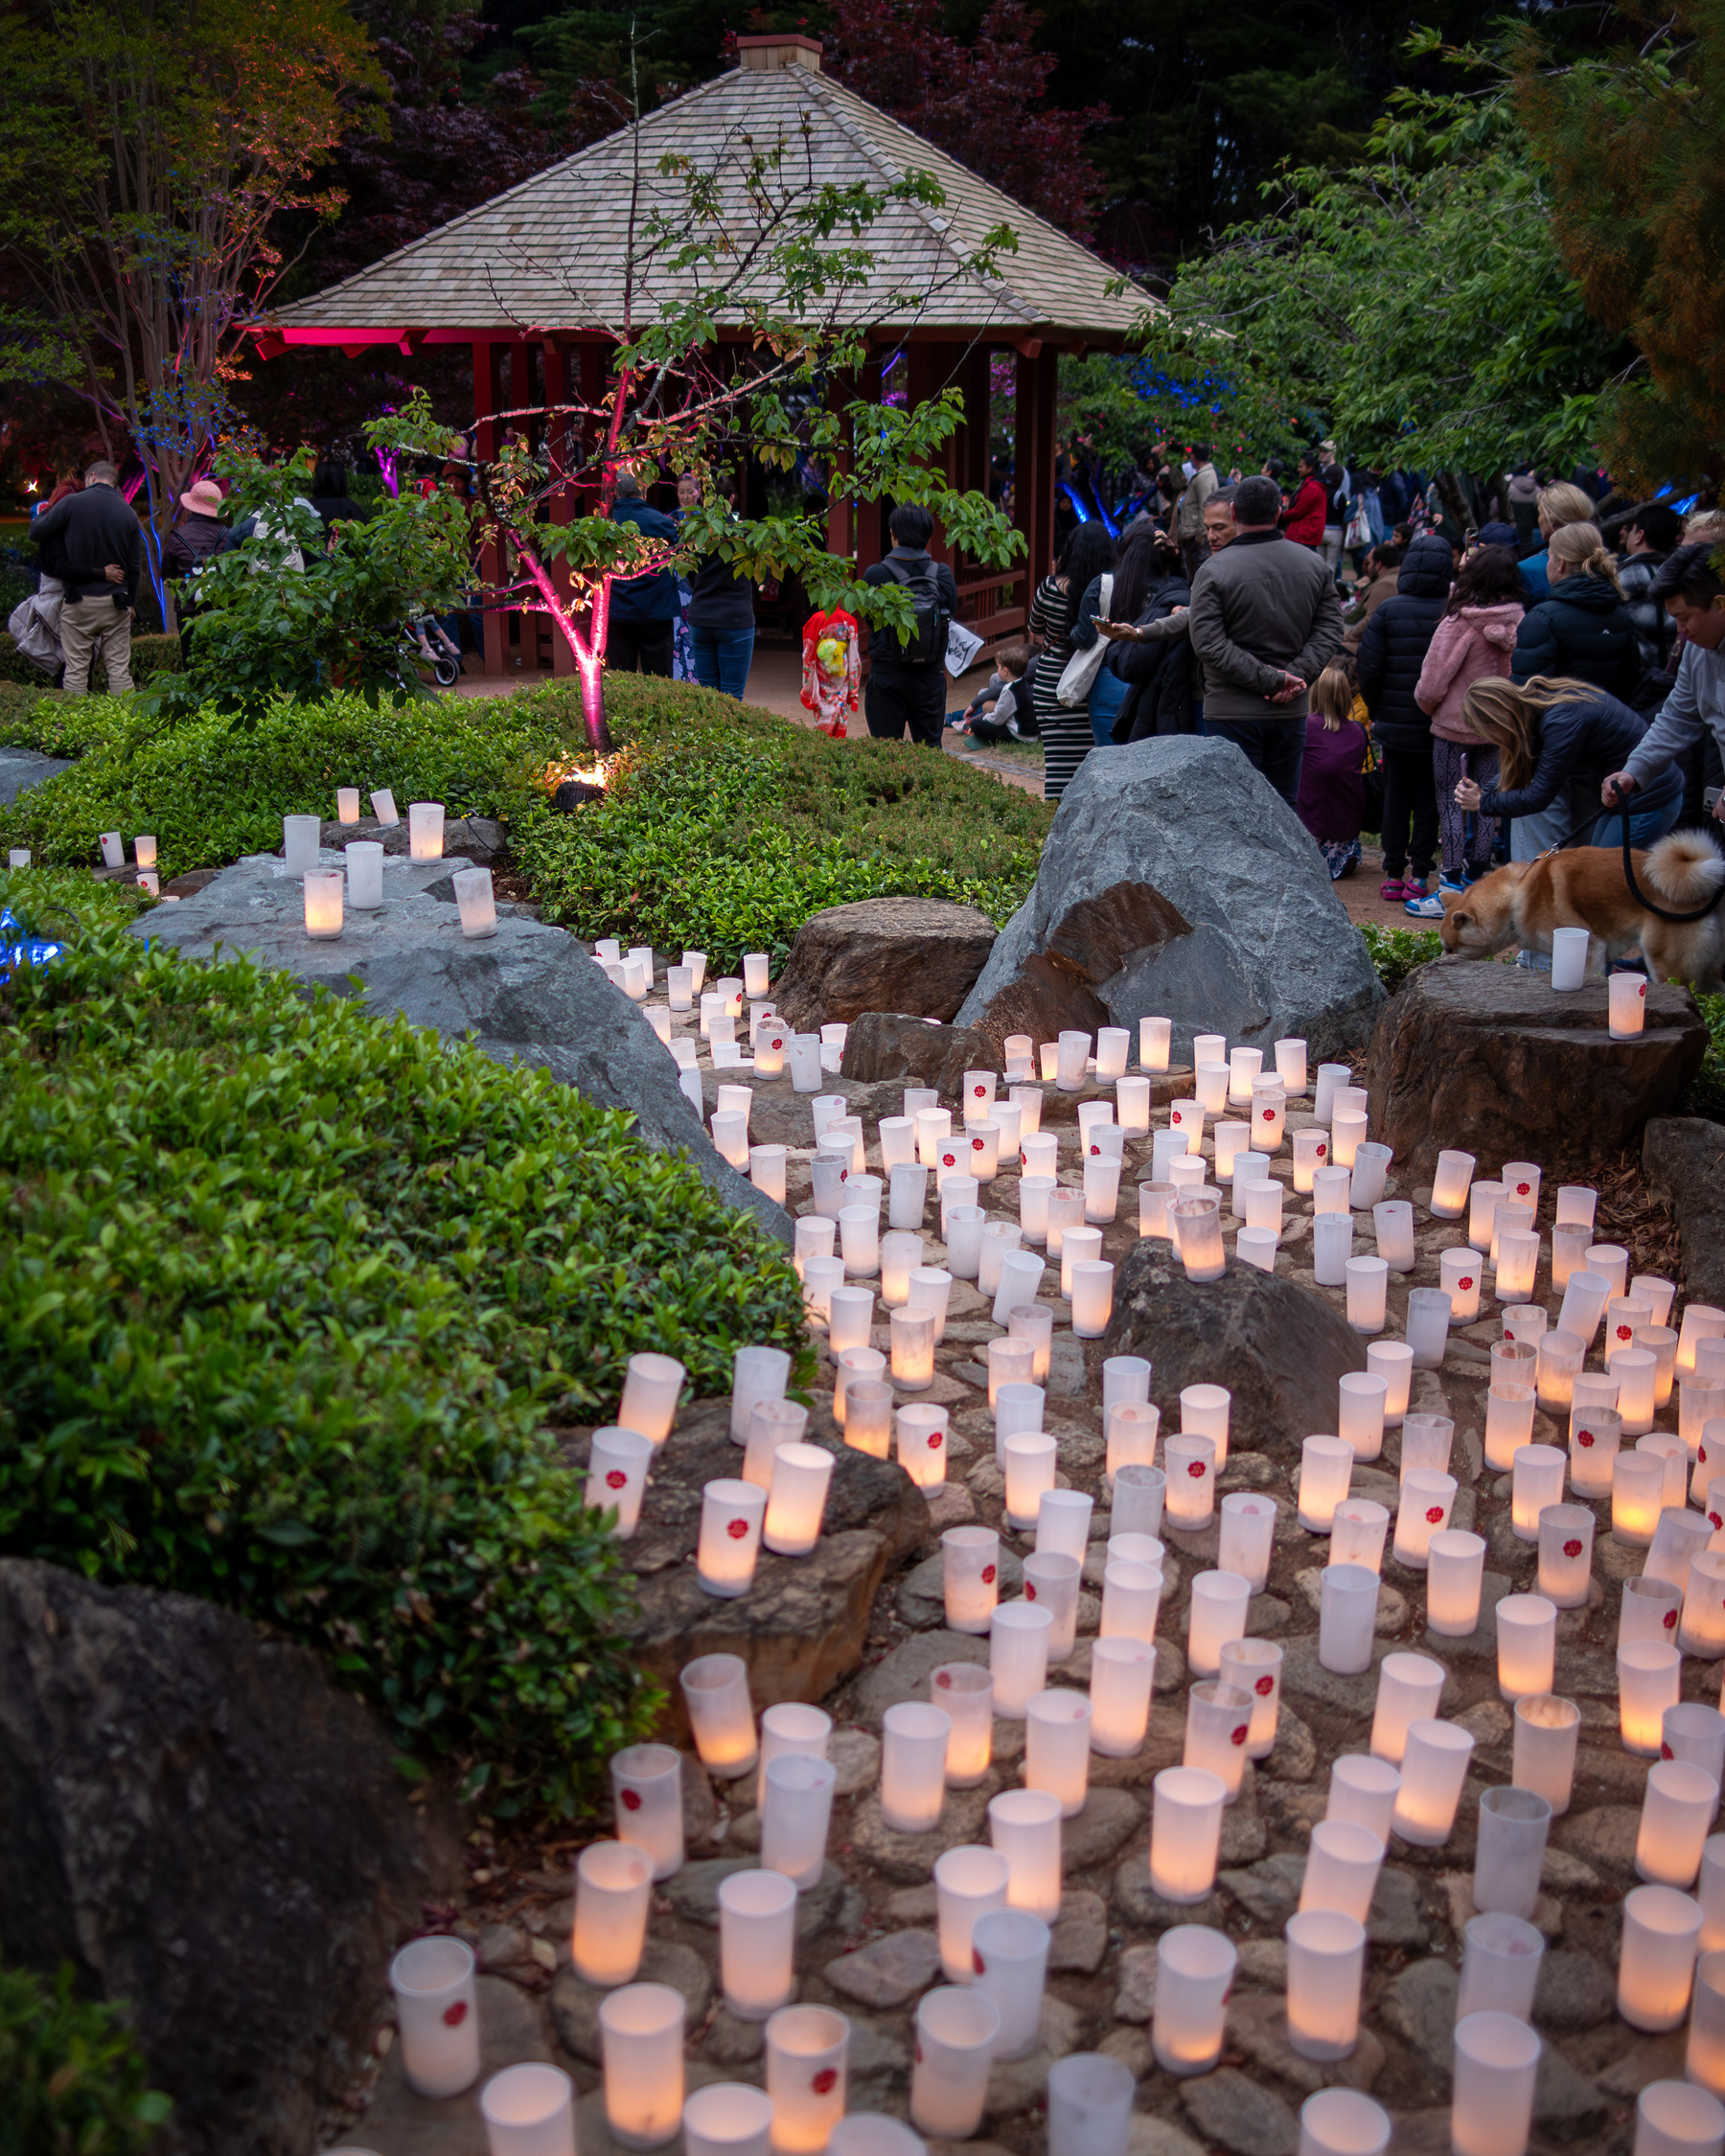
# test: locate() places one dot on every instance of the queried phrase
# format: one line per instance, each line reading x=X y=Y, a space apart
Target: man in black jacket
x=907 y=682
x=99 y=550
x=1393 y=652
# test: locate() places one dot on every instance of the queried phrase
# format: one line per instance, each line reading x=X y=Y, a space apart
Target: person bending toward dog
x=1556 y=741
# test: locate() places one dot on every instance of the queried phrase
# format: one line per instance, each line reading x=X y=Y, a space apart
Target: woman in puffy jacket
x=1584 y=632
x=1557 y=742
x=1472 y=643
x=1392 y=654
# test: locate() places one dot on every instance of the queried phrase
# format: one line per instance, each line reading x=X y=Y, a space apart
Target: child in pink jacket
x=1472 y=643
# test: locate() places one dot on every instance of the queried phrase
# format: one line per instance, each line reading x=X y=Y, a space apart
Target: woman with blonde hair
x=1584 y=632
x=1557 y=741
x=1557 y=506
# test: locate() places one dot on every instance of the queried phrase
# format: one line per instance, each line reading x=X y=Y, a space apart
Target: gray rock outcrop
x=206 y=1829
x=1683 y=1158
x=22 y=767
x=1177 y=882
x=530 y=994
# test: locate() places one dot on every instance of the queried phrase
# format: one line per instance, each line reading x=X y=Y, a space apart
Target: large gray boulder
x=211 y=1834
x=530 y=994
x=1177 y=882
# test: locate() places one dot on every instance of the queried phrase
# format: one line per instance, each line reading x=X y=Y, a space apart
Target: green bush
x=151 y=655
x=724 y=829
x=1395 y=953
x=1707 y=1095
x=75 y=2083
x=290 y=1295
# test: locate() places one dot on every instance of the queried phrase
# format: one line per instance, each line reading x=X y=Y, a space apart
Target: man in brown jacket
x=1383 y=564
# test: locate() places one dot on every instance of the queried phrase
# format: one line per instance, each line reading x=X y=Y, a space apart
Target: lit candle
x=965 y=1692
x=1455 y=1575
x=323 y=889
x=1627 y=995
x=1023 y=1825
x=757 y=1917
x=1596 y=1438
x=1122 y=1672
x=1497 y=2060
x=1156 y=1036
x=1434 y=1767
x=956 y=2032
x=1192 y=1486
x=1409 y=1689
x=1341 y=1868
x=437 y=2015
x=1649 y=1674
x=1704 y=2062
x=807 y=2051
x=1215 y=1614
x=969 y=1883
x=1256 y=1668
x=970 y=1577
x=1656 y=1962
x=733 y=1514
x=1566 y=1534
x=1248 y=1535
x=1326 y=1965
x=1218 y=1725
x=650 y=1390
x=1637 y=1496
x=646 y=1789
x=913 y=1754
x=715 y=1690
x=1363 y=1791
x=613 y=1881
x=1325 y=1464
x=425 y=830
x=1185 y=1832
x=1358 y=1532
x=1527 y=1635
x=617 y=1477
x=1422 y=1512
x=1194 y=1973
x=795 y=1813
x=1537 y=1472
x=1702 y=1629
x=1677 y=1809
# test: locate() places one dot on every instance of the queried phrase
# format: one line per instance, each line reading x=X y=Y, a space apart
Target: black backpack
x=928 y=646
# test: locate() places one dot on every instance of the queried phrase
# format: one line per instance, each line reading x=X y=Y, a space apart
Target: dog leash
x=1621 y=802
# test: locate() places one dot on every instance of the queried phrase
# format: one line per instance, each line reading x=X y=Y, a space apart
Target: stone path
x=863 y=1930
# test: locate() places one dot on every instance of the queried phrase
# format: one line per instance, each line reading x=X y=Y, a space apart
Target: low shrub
x=1707 y=1094
x=291 y=1294
x=723 y=829
x=150 y=656
x=76 y=2082
x=1397 y=952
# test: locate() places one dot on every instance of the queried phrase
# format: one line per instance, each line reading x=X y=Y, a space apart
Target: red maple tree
x=984 y=104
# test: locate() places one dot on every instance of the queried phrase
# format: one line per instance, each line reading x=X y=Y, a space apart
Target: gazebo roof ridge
x=482 y=273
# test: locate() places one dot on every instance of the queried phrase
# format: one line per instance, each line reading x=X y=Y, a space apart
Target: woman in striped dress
x=1066 y=735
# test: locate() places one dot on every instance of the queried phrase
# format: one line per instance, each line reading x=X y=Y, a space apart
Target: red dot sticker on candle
x=1466 y=1282
x=615 y=1479
x=1641 y=991
x=1195 y=1469
x=944 y=1679
x=1268 y=1115
x=827 y=2080
x=1237 y=1736
x=1584 y=1438
x=737 y=1529
x=1521 y=1190
x=977 y=1964
x=1572 y=1549
x=980 y=1092
x=1321 y=1150
x=1434 y=1513
x=988 y=1575
x=1665 y=1752
x=1096 y=1150
x=949 y=1159
x=455 y=2014
x=1029 y=1590
x=976 y=1145
x=1265 y=1687
x=1669 y=1620
x=632 y=1800
x=935 y=1439
x=1625 y=1332
x=1714 y=1521
x=779 y=1043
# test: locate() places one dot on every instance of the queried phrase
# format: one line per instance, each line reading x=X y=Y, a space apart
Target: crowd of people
x=1467 y=693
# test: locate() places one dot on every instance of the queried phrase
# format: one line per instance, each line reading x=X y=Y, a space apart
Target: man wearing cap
x=194 y=538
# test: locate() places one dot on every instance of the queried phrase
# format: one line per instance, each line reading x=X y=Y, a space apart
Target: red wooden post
x=1037 y=384
x=487 y=400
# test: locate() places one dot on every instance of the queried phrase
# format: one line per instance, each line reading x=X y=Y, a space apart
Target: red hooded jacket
x=1305 y=521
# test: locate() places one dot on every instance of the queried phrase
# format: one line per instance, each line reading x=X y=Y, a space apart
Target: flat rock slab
x=889 y=1971
x=529 y=995
x=919 y=956
x=1177 y=882
x=22 y=767
x=575 y=2004
x=1490 y=1060
x=1281 y=1346
x=904 y=1673
x=1236 y=2113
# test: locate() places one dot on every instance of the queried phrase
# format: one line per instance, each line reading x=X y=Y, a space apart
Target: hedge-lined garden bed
x=151 y=655
x=292 y=1294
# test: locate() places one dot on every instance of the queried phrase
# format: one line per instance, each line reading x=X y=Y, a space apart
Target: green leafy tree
x=1411 y=304
x=1633 y=141
x=145 y=148
x=291 y=612
x=76 y=2082
x=760 y=242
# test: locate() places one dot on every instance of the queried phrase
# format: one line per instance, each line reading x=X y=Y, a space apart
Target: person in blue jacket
x=643 y=609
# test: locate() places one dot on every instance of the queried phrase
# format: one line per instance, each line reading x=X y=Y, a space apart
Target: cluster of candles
x=113 y=856
x=359 y=882
x=1626 y=994
x=770 y=1049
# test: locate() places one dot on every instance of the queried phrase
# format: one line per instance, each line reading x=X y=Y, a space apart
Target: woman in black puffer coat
x=1391 y=656
x=1584 y=632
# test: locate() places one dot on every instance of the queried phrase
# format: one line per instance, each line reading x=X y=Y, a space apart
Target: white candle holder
x=1132 y=1106
x=1677 y=2119
x=823 y=1278
x=1429 y=1314
x=1566 y=1534
x=1527 y=1637
x=715 y=1690
x=1218 y=1726
x=1513 y=1825
x=1325 y=1465
x=1057 y=1727
x=1509 y=1422
x=425 y=830
x=1677 y=1810
x=1496 y=2063
x=785 y=1728
x=1455 y=1575
x=1197 y=1221
x=1651 y=1610
x=1367 y=1281
x=1458 y=1275
x=901 y=1253
x=1326 y=1966
x=1030 y=1460
x=1547 y=1730
x=1018 y=1655
x=1391 y=1359
x=1409 y=1689
x=1537 y=1473
x=1008 y=1967
x=1701 y=1631
x=1210 y=1083
x=733 y=1514
x=930 y=1291
x=1156 y=1040
x=795 y=1813
x=647 y=1790
x=1343 y=1863
x=1363 y=1793
x=757 y=1921
x=1215 y=1614
x=969 y=1883
x=1585 y=1295
x=807 y=2051
x=1422 y=1512
x=913 y=1756
x=965 y=1692
x=323 y=889
x=437 y=2015
x=1358 y=1532
x=1332 y=1247
x=1500 y=1958
x=529 y=2110
x=1194 y=1973
x=650 y=1390
x=1638 y=1481
x=1434 y=1767
x=1270 y=1122
x=1132 y=1426
x=727 y=2119
x=796 y=1498
x=1705 y=2059
x=613 y=1884
x=1140 y=1495
x=956 y=2032
x=1346 y=1614
x=1649 y=1675
x=922 y=1444
x=1190 y=1467
x=617 y=1477
x=1023 y=1825
x=1596 y=1438
x=1185 y=1832
x=1656 y=1962
x=1637 y=1372
x=1131 y=1600
x=1247 y=1538
x=1255 y=1666
x=970 y=1576
x=1626 y=995
x=1122 y=1674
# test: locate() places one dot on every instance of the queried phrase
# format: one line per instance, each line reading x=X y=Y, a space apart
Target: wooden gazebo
x=534 y=282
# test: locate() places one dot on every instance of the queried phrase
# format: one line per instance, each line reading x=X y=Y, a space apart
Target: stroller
x=436 y=649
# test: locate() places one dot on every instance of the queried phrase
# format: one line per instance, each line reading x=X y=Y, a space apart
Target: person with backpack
x=907 y=682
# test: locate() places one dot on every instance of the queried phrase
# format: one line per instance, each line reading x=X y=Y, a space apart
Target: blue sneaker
x=1428 y=908
x=1448 y=882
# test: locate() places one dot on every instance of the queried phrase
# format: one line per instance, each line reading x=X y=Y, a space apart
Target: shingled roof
x=548 y=255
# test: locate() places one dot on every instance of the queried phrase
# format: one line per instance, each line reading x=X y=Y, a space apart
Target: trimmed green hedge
x=724 y=828
x=290 y=1295
x=75 y=2083
x=151 y=655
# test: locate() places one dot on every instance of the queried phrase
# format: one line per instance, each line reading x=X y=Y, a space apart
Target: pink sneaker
x=1396 y=889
